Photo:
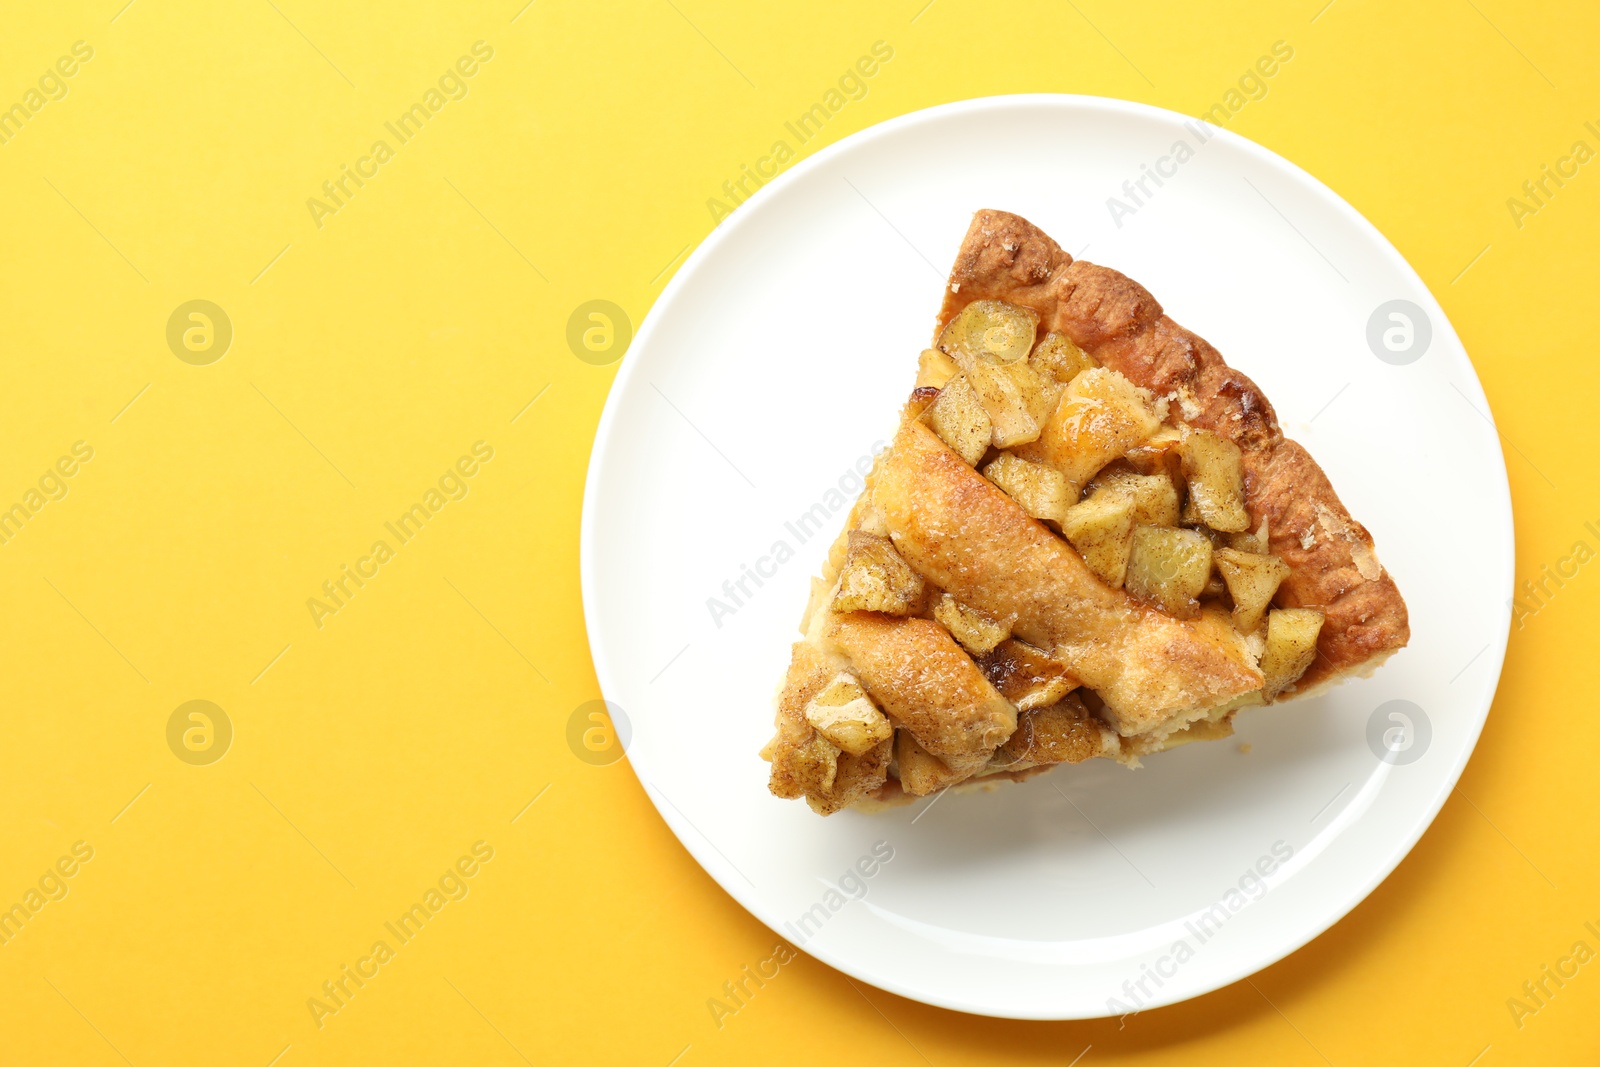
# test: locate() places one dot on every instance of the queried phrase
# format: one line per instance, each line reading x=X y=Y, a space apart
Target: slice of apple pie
x=1088 y=538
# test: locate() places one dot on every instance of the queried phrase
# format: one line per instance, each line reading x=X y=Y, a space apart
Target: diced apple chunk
x=1256 y=540
x=1057 y=357
x=1101 y=527
x=1169 y=568
x=1042 y=491
x=1252 y=581
x=815 y=764
x=990 y=340
x=959 y=419
x=1212 y=467
x=1025 y=676
x=1059 y=733
x=1155 y=499
x=1162 y=453
x=1016 y=398
x=875 y=578
x=977 y=632
x=1291 y=646
x=844 y=714
x=921 y=772
x=990 y=330
x=1099 y=417
x=935 y=369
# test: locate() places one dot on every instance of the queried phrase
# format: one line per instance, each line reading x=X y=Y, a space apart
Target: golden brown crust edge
x=1331 y=558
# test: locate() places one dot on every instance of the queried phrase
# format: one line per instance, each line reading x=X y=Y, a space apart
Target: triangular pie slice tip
x=1089 y=538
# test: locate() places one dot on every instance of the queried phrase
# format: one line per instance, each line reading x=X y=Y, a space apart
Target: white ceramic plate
x=776 y=361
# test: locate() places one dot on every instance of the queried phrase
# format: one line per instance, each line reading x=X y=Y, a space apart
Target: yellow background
x=424 y=716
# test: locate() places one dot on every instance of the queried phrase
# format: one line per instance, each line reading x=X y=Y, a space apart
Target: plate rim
x=600 y=457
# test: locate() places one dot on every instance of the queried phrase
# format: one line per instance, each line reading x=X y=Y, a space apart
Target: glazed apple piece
x=844 y=715
x=1211 y=466
x=875 y=578
x=1059 y=359
x=921 y=772
x=1169 y=568
x=935 y=369
x=1099 y=417
x=990 y=340
x=1041 y=490
x=961 y=422
x=1252 y=581
x=993 y=331
x=1101 y=528
x=1155 y=499
x=1059 y=733
x=1256 y=540
x=976 y=632
x=1291 y=646
x=1026 y=676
